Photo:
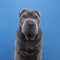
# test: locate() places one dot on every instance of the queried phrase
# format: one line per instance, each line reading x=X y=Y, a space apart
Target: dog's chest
x=30 y=49
x=29 y=45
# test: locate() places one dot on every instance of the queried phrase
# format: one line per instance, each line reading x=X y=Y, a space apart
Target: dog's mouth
x=30 y=35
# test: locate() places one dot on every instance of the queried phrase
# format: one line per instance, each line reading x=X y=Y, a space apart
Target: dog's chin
x=30 y=36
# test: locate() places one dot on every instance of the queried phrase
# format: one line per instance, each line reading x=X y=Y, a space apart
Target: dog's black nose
x=30 y=24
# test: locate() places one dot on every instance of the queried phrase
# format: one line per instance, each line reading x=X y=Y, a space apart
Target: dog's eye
x=35 y=16
x=24 y=16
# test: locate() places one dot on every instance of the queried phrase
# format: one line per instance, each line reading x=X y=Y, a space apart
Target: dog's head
x=29 y=22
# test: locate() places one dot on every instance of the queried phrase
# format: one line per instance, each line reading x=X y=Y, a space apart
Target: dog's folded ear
x=39 y=14
x=20 y=12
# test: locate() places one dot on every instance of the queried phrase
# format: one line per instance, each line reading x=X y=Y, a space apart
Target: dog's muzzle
x=29 y=28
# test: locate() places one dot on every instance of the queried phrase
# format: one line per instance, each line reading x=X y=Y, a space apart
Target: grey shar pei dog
x=28 y=44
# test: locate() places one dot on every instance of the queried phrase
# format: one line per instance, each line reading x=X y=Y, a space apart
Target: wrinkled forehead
x=30 y=12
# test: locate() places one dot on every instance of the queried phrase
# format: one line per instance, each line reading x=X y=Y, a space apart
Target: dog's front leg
x=39 y=56
x=17 y=56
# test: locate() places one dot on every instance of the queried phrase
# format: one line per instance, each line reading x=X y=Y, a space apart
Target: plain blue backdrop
x=50 y=25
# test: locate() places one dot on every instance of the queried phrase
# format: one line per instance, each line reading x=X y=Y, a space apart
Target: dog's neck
x=29 y=45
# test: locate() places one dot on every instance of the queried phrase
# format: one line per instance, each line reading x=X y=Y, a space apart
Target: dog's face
x=29 y=22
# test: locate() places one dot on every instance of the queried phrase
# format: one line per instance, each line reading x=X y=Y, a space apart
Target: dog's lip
x=30 y=34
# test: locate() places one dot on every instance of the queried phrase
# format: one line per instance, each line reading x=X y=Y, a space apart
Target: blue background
x=50 y=25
